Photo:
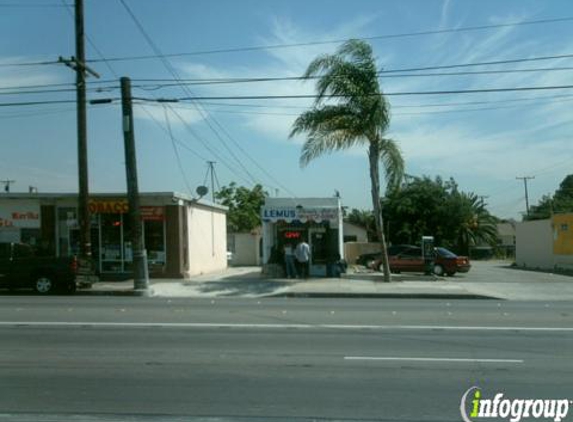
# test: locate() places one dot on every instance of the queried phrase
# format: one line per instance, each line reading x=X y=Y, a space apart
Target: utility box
x=428 y=253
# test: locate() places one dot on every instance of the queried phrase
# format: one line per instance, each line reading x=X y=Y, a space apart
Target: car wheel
x=438 y=270
x=44 y=284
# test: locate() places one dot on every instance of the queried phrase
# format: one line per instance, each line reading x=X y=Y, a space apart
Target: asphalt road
x=107 y=358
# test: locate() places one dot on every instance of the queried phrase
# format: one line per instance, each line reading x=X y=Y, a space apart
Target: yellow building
x=562 y=234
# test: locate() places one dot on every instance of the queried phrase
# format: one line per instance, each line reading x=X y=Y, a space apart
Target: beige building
x=245 y=248
x=182 y=236
x=545 y=244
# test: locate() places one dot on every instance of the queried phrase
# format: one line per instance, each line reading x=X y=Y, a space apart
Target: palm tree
x=351 y=110
x=479 y=225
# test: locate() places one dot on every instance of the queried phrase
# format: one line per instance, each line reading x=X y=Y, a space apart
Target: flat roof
x=66 y=195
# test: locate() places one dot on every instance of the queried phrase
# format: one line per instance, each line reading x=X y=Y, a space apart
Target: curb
x=319 y=295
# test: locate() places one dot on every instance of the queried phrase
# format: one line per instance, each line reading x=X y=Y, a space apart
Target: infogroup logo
x=513 y=410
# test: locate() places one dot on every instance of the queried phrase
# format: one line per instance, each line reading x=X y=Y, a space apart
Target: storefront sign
x=117 y=206
x=121 y=206
x=21 y=214
x=300 y=214
x=152 y=213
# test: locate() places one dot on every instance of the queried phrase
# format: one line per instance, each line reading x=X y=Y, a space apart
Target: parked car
x=411 y=260
x=367 y=259
x=20 y=267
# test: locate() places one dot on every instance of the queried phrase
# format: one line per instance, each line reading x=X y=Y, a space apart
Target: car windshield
x=446 y=253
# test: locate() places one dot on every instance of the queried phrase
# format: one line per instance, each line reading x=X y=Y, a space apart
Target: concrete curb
x=328 y=295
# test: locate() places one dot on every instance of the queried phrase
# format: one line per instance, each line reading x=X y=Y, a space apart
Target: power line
x=455 y=104
x=168 y=124
x=405 y=93
x=222 y=81
x=338 y=41
x=31 y=103
x=175 y=74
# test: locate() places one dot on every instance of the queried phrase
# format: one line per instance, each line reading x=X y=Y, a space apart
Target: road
x=110 y=358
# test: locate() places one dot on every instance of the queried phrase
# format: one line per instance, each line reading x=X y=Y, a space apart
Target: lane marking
x=274 y=326
x=434 y=359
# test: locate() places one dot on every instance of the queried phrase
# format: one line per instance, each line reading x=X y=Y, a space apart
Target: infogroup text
x=513 y=410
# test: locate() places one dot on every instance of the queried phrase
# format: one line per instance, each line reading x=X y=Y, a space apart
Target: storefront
x=318 y=221
x=182 y=236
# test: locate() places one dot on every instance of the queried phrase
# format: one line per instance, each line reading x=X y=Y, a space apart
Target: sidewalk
x=486 y=279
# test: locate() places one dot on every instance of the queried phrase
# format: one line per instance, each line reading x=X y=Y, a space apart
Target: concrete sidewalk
x=491 y=279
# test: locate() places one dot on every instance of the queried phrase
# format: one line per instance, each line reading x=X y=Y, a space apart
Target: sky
x=482 y=140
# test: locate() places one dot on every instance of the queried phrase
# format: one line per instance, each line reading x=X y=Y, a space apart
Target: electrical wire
x=338 y=41
x=175 y=74
x=405 y=93
x=168 y=124
x=223 y=81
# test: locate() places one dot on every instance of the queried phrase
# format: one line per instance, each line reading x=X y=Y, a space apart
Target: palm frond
x=392 y=162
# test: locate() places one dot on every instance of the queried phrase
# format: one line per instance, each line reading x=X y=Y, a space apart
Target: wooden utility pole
x=525 y=179
x=140 y=271
x=83 y=209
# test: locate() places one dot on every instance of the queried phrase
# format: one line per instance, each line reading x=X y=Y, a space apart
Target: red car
x=411 y=260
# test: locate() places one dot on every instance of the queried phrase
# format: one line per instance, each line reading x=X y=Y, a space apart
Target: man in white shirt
x=302 y=254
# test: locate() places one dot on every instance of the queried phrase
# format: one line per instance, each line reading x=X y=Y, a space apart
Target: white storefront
x=20 y=221
x=318 y=221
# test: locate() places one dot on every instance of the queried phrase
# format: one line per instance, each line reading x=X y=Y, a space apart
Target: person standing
x=302 y=254
x=289 y=261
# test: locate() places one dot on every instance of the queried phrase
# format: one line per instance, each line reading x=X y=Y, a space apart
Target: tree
x=350 y=109
x=364 y=219
x=244 y=206
x=425 y=206
x=562 y=201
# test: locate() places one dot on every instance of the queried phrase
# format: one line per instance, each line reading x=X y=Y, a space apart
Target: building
x=183 y=236
x=245 y=248
x=545 y=244
x=318 y=221
x=354 y=233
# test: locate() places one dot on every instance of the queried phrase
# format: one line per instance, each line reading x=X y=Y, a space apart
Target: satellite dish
x=202 y=190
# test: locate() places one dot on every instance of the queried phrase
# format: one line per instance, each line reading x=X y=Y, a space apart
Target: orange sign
x=114 y=206
x=152 y=213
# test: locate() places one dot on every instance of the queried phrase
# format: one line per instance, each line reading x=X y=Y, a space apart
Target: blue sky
x=484 y=147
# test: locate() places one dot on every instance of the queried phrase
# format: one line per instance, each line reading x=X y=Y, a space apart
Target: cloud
x=16 y=76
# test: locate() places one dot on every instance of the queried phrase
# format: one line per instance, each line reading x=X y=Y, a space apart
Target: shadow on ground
x=250 y=283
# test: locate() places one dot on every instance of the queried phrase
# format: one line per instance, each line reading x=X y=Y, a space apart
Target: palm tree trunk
x=374 y=158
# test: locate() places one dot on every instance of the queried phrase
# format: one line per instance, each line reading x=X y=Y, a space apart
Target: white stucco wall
x=246 y=248
x=207 y=239
x=534 y=244
x=353 y=230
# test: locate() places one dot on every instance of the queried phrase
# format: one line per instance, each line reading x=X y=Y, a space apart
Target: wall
x=534 y=244
x=246 y=248
x=353 y=249
x=207 y=240
x=353 y=230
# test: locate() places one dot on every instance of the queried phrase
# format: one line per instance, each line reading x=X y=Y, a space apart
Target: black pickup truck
x=20 y=267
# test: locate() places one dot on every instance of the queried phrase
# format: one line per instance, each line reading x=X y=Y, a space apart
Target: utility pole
x=525 y=179
x=140 y=271
x=78 y=63
x=212 y=170
x=7 y=184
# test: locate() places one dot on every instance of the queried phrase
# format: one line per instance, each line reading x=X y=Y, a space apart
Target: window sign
x=20 y=214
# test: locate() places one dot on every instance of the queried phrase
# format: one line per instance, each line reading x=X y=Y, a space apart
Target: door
x=318 y=252
x=409 y=260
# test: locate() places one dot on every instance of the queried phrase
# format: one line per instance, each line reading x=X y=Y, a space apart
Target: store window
x=111 y=242
x=154 y=235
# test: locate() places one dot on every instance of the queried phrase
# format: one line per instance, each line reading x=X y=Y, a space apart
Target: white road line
x=434 y=359
x=273 y=326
